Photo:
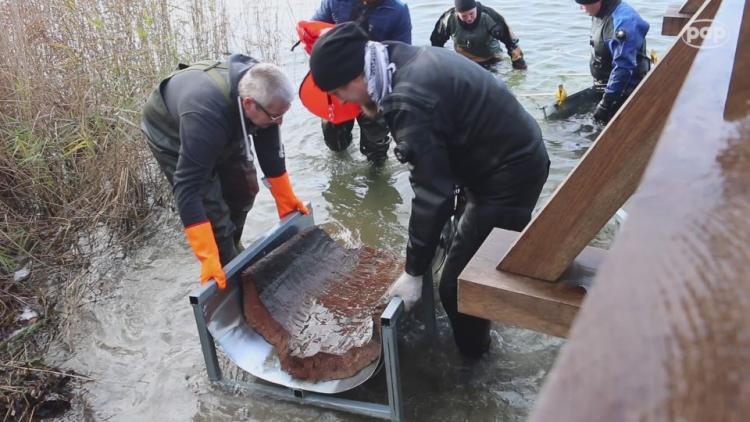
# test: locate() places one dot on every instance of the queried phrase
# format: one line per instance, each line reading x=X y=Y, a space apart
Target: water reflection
x=157 y=372
x=364 y=199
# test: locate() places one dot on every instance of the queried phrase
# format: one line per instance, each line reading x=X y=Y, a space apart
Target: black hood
x=608 y=6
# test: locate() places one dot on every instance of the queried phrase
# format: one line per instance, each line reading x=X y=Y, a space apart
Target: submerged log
x=319 y=303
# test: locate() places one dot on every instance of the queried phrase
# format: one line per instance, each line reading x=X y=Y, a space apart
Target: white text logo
x=704 y=33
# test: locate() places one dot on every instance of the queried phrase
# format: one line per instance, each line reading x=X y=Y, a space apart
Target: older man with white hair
x=198 y=122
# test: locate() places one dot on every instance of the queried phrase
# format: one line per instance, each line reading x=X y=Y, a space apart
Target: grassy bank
x=73 y=164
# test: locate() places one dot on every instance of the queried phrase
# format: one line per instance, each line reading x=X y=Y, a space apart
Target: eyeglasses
x=272 y=117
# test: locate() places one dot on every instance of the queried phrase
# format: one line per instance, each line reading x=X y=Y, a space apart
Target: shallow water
x=137 y=336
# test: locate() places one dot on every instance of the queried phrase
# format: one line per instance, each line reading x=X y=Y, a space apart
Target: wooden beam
x=676 y=16
x=665 y=332
x=691 y=6
x=737 y=105
x=520 y=301
x=607 y=174
x=674 y=20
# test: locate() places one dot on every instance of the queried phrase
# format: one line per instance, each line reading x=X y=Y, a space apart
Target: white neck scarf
x=246 y=136
x=378 y=71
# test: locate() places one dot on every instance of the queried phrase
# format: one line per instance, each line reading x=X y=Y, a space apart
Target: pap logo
x=704 y=33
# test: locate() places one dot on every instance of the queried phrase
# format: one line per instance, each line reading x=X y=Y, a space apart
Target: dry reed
x=73 y=164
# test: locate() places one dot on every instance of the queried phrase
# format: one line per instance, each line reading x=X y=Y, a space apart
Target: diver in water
x=618 y=58
x=476 y=30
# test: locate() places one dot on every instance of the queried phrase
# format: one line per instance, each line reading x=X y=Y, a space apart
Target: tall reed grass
x=74 y=73
x=73 y=77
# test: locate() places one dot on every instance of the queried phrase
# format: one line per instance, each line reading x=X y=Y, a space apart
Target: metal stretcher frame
x=201 y=299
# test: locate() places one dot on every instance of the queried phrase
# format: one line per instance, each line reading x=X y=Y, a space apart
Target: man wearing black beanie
x=340 y=57
x=619 y=59
x=456 y=125
x=476 y=30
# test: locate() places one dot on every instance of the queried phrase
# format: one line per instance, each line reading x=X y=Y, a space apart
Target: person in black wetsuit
x=619 y=59
x=477 y=31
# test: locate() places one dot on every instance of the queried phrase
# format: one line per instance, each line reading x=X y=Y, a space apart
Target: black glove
x=606 y=109
x=403 y=152
x=519 y=64
x=516 y=57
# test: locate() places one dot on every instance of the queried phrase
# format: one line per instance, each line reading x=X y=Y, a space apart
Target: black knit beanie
x=586 y=1
x=338 y=57
x=465 y=5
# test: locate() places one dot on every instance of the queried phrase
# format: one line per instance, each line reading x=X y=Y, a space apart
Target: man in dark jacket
x=476 y=30
x=197 y=123
x=619 y=59
x=454 y=124
x=382 y=20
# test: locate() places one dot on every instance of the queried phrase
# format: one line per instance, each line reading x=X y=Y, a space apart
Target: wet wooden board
x=665 y=332
x=677 y=16
x=319 y=303
x=674 y=20
x=537 y=305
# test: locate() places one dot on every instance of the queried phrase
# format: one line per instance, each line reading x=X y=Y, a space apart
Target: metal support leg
x=389 y=324
x=301 y=397
x=207 y=342
x=428 y=305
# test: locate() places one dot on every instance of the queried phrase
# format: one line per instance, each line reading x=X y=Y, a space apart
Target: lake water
x=137 y=336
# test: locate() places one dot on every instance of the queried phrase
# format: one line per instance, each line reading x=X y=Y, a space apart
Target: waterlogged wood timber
x=665 y=332
x=521 y=301
x=319 y=304
x=608 y=173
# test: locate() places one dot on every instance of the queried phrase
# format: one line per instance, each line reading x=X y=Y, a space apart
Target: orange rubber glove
x=286 y=200
x=201 y=239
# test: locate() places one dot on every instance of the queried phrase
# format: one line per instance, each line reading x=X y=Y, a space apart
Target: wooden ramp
x=665 y=332
x=606 y=177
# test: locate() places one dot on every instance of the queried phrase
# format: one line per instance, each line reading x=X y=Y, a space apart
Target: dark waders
x=505 y=200
x=229 y=193
x=373 y=137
